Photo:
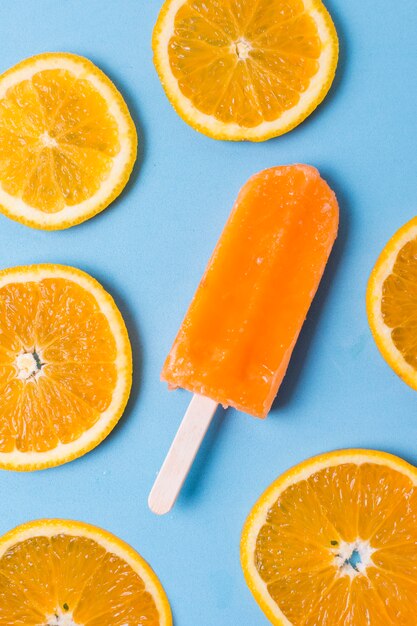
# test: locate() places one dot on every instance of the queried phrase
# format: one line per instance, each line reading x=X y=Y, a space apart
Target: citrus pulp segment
x=67 y=141
x=245 y=70
x=334 y=541
x=65 y=365
x=65 y=573
x=392 y=303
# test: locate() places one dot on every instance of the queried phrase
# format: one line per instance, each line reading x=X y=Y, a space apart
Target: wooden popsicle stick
x=181 y=454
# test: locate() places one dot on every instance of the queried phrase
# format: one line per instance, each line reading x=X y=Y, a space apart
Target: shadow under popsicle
x=201 y=410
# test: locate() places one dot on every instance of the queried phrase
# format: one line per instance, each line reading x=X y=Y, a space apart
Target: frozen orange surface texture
x=237 y=337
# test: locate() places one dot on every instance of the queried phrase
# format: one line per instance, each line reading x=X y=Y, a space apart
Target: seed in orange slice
x=245 y=70
x=392 y=302
x=65 y=365
x=334 y=541
x=67 y=141
x=65 y=573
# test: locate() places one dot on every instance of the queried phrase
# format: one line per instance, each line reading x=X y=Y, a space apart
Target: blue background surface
x=150 y=249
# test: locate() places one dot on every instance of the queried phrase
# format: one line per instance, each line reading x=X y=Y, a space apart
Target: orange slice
x=245 y=70
x=392 y=303
x=67 y=141
x=65 y=365
x=334 y=541
x=64 y=573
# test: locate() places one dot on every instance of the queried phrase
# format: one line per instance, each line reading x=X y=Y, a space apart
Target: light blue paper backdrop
x=150 y=249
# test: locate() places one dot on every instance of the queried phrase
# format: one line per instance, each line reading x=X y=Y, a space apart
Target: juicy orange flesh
x=62 y=324
x=58 y=140
x=237 y=337
x=244 y=62
x=399 y=302
x=297 y=546
x=43 y=577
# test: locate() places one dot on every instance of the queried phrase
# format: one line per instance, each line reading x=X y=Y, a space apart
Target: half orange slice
x=392 y=303
x=65 y=365
x=64 y=573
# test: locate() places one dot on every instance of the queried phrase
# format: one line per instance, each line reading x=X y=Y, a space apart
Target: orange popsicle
x=237 y=337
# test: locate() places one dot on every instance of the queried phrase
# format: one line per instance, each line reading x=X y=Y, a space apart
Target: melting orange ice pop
x=237 y=337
